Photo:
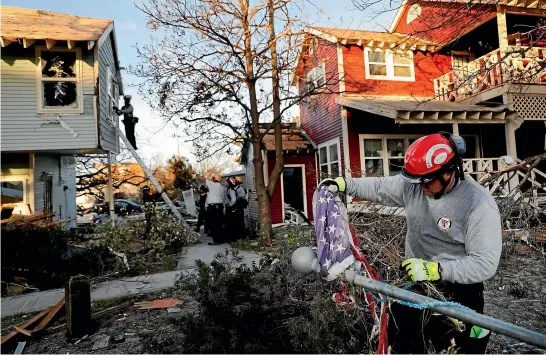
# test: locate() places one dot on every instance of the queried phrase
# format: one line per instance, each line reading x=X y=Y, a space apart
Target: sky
x=154 y=138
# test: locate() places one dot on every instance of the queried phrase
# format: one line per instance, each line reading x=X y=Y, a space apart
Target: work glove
x=335 y=185
x=421 y=270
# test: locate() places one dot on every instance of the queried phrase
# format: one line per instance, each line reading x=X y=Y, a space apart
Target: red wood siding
x=427 y=67
x=310 y=181
x=441 y=22
x=320 y=116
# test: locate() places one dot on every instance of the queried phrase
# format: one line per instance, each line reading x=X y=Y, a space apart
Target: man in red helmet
x=453 y=239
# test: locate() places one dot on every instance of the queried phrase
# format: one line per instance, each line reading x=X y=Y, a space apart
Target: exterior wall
x=427 y=68
x=109 y=139
x=310 y=181
x=251 y=189
x=320 y=116
x=23 y=128
x=442 y=22
x=64 y=200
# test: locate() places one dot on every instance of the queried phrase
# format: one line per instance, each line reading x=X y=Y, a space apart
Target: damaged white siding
x=109 y=139
x=251 y=187
x=63 y=184
x=22 y=127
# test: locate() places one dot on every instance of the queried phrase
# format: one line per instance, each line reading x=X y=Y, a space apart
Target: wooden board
x=26 y=324
x=44 y=322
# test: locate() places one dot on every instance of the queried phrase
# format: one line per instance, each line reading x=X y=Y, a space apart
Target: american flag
x=334 y=247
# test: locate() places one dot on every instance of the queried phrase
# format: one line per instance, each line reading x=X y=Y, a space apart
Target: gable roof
x=294 y=138
x=39 y=24
x=372 y=38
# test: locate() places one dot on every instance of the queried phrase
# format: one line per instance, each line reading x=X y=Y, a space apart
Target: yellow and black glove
x=421 y=270
x=335 y=185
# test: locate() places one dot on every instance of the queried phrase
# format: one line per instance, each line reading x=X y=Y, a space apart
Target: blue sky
x=131 y=29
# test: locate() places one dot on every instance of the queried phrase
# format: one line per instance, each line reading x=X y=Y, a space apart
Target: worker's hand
x=335 y=185
x=421 y=270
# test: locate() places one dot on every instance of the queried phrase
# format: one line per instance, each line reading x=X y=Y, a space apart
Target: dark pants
x=235 y=223
x=411 y=329
x=202 y=220
x=215 y=218
x=130 y=133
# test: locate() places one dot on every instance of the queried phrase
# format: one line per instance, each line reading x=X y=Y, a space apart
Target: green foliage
x=267 y=308
x=149 y=245
x=183 y=173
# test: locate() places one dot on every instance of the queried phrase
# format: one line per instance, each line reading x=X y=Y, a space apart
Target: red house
x=475 y=70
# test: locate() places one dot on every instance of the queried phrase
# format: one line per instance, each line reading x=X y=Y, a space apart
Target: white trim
x=389 y=64
x=340 y=68
x=78 y=80
x=304 y=187
x=28 y=192
x=345 y=134
x=327 y=144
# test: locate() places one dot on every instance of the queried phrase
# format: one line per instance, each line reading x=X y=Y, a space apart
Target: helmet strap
x=445 y=183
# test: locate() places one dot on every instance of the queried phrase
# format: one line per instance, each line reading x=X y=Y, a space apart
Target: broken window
x=12 y=192
x=59 y=80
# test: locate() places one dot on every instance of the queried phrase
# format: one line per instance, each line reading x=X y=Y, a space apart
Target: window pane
x=60 y=93
x=378 y=69
x=12 y=192
x=58 y=64
x=395 y=166
x=374 y=167
x=376 y=57
x=323 y=171
x=402 y=71
x=401 y=58
x=323 y=158
x=334 y=170
x=395 y=147
x=372 y=148
x=333 y=153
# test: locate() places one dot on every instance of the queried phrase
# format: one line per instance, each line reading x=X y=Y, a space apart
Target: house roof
x=39 y=25
x=432 y=111
x=372 y=38
x=294 y=138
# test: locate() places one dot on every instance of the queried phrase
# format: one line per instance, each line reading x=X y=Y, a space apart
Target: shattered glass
x=58 y=64
x=61 y=92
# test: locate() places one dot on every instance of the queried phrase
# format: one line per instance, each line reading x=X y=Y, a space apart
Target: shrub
x=267 y=308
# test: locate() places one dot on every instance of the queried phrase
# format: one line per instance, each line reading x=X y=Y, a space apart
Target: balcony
x=508 y=65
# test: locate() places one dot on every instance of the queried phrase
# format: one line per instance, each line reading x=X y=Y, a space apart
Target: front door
x=293 y=179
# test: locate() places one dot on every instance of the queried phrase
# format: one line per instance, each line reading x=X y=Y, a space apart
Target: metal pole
x=469 y=316
x=111 y=191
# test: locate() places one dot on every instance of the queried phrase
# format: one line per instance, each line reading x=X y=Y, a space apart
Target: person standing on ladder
x=453 y=239
x=129 y=121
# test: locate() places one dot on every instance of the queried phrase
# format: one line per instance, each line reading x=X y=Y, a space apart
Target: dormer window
x=381 y=64
x=316 y=77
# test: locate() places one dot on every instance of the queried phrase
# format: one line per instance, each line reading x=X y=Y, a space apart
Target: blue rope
x=424 y=305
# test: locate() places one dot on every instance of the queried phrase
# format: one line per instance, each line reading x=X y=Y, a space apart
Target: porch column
x=511 y=149
x=501 y=24
x=455 y=129
x=111 y=191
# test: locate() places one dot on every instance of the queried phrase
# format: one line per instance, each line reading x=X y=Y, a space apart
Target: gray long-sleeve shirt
x=461 y=230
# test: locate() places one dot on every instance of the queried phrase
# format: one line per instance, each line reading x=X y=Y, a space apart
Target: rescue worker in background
x=453 y=239
x=235 y=222
x=129 y=120
x=202 y=217
x=215 y=209
x=242 y=203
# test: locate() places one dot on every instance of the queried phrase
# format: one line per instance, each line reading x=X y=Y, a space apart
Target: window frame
x=314 y=79
x=389 y=61
x=328 y=163
x=384 y=158
x=16 y=178
x=41 y=108
x=111 y=89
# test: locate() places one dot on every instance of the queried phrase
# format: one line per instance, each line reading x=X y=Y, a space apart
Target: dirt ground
x=517 y=294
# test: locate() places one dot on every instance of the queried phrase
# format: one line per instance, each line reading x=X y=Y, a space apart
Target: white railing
x=513 y=64
x=482 y=168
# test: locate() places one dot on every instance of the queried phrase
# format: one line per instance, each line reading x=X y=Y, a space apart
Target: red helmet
x=430 y=156
x=232 y=181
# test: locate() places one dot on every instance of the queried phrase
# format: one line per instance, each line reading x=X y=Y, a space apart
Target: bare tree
x=223 y=67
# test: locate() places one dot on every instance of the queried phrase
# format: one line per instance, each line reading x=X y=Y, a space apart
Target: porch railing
x=480 y=169
x=513 y=64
